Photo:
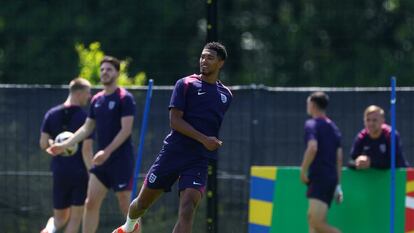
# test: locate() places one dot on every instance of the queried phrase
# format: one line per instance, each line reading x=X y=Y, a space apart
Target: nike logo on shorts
x=122 y=185
x=195 y=183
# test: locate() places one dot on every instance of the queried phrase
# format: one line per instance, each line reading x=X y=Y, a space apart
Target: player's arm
x=127 y=123
x=357 y=160
x=45 y=141
x=308 y=157
x=84 y=131
x=87 y=152
x=339 y=196
x=339 y=162
x=400 y=159
x=179 y=124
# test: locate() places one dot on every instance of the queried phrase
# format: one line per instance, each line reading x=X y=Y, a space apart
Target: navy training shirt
x=378 y=149
x=204 y=105
x=328 y=136
x=107 y=111
x=65 y=118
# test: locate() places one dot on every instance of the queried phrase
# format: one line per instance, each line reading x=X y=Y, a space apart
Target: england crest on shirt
x=111 y=105
x=383 y=148
x=223 y=98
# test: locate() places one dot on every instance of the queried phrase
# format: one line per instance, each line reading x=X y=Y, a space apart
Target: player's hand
x=100 y=157
x=55 y=149
x=304 y=177
x=339 y=195
x=362 y=162
x=212 y=143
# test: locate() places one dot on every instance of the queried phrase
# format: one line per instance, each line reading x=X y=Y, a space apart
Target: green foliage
x=89 y=59
x=89 y=63
x=124 y=80
x=276 y=43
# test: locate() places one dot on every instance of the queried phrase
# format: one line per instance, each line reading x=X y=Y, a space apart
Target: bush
x=91 y=56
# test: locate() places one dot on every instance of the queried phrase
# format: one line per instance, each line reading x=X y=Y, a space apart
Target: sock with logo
x=130 y=224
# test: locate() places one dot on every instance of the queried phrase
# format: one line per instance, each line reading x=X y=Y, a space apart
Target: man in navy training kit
x=111 y=112
x=372 y=145
x=197 y=107
x=322 y=163
x=70 y=173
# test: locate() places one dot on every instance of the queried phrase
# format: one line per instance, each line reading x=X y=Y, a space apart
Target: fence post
x=212 y=167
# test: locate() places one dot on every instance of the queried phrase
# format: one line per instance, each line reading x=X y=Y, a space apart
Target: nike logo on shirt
x=201 y=93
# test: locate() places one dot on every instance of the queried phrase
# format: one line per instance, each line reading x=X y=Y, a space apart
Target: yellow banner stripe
x=260 y=212
x=409 y=232
x=410 y=188
x=266 y=172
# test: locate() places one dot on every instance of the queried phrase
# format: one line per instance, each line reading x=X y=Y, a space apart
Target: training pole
x=393 y=128
x=142 y=138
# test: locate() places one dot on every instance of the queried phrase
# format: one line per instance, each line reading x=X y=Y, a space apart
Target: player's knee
x=91 y=204
x=60 y=222
x=61 y=219
x=314 y=221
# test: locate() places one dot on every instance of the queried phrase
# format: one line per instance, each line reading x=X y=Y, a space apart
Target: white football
x=69 y=150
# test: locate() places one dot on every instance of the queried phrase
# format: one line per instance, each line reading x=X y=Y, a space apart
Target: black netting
x=263 y=127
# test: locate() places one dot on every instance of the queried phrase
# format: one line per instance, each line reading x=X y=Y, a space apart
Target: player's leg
x=317 y=217
x=123 y=201
x=59 y=219
x=61 y=204
x=144 y=201
x=96 y=194
x=120 y=175
x=75 y=219
x=189 y=200
x=311 y=230
x=78 y=196
x=138 y=207
x=154 y=186
x=192 y=185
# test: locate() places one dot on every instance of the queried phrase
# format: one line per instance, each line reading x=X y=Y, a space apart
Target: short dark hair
x=321 y=99
x=219 y=48
x=114 y=61
x=78 y=84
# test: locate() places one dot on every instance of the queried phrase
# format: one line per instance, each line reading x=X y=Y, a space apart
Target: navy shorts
x=322 y=189
x=190 y=170
x=116 y=173
x=69 y=190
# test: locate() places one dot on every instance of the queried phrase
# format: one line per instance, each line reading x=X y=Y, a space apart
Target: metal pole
x=393 y=125
x=212 y=34
x=212 y=167
x=144 y=124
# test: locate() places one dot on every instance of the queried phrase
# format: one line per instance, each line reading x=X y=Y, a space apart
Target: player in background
x=197 y=107
x=322 y=163
x=111 y=114
x=70 y=173
x=372 y=145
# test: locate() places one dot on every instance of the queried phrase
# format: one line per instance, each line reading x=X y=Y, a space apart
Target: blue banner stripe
x=254 y=228
x=262 y=189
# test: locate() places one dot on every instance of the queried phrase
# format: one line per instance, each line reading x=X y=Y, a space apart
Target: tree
x=89 y=63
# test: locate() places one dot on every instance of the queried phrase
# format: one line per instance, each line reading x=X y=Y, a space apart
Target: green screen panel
x=366 y=207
